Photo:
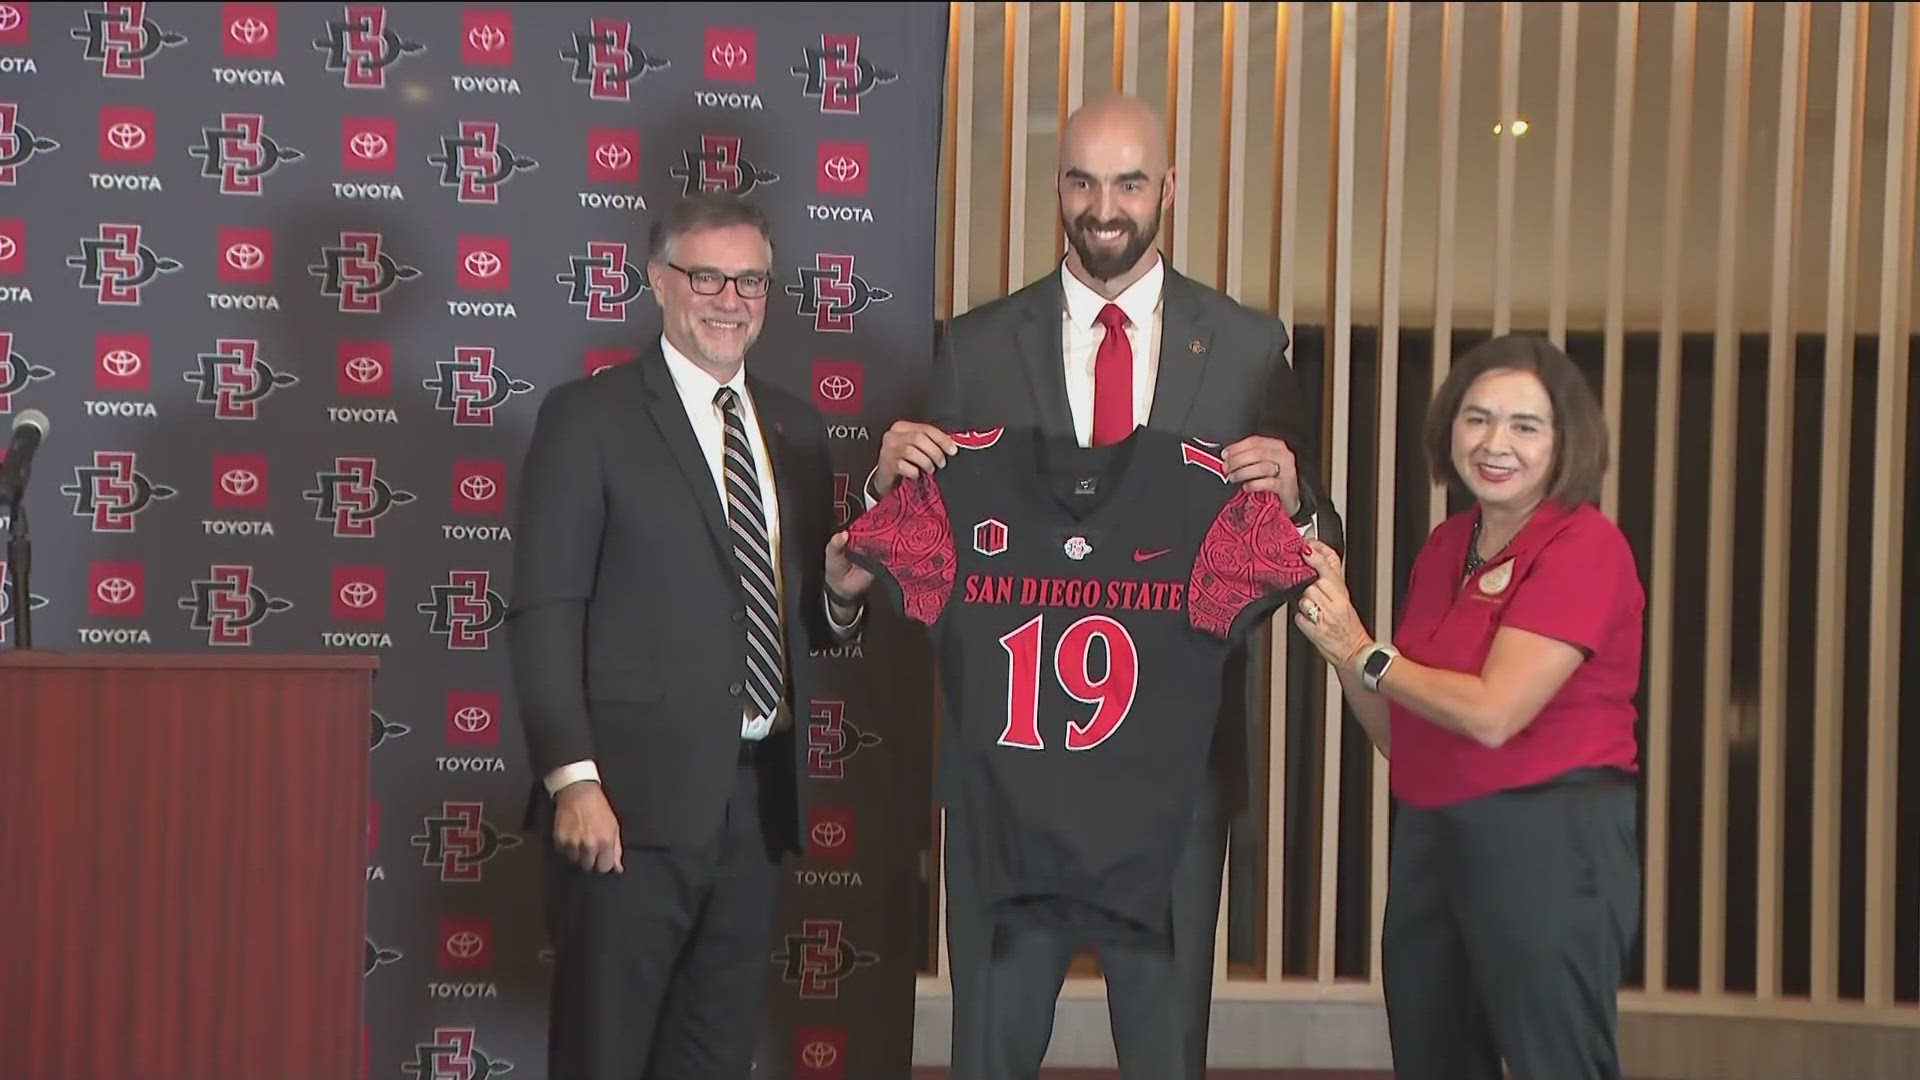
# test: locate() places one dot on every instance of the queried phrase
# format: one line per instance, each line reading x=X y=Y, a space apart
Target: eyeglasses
x=751 y=285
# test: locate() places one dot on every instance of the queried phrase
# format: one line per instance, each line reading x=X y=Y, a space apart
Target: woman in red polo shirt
x=1504 y=705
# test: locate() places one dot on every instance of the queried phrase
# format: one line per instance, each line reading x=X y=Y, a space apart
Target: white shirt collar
x=695 y=384
x=1138 y=301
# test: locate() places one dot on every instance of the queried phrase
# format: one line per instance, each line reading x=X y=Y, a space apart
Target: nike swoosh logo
x=1143 y=556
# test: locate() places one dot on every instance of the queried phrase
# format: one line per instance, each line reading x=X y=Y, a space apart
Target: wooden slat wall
x=1739 y=172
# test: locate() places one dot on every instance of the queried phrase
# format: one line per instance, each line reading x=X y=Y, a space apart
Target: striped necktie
x=747 y=520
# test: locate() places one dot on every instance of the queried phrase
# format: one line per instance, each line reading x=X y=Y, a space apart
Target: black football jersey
x=1083 y=602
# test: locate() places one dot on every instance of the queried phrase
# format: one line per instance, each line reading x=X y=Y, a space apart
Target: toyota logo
x=248 y=31
x=465 y=944
x=612 y=156
x=483 y=264
x=486 y=37
x=730 y=56
x=478 y=488
x=829 y=834
x=10 y=18
x=114 y=590
x=126 y=136
x=819 y=1054
x=840 y=168
x=368 y=145
x=121 y=363
x=239 y=483
x=7 y=248
x=836 y=388
x=365 y=370
x=472 y=719
x=359 y=594
x=245 y=256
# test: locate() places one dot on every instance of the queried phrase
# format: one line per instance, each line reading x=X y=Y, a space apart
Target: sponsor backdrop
x=290 y=281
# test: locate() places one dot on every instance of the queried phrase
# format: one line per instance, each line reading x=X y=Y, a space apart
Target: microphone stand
x=20 y=563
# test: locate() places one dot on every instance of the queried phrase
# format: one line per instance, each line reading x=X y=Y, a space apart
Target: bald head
x=1117 y=127
x=1114 y=183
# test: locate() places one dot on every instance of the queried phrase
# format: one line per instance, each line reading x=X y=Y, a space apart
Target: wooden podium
x=183 y=854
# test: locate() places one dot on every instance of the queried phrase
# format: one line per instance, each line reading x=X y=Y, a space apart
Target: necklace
x=1474 y=561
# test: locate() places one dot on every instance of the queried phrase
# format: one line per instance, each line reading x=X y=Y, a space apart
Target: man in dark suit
x=1115 y=338
x=674 y=551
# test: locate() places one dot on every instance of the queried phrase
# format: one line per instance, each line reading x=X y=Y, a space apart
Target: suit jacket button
x=735 y=689
x=739 y=615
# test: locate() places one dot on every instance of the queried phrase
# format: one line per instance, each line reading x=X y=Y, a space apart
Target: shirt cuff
x=1311 y=530
x=870 y=494
x=558 y=779
x=838 y=626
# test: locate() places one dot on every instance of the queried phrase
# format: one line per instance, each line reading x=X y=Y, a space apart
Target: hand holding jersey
x=910 y=449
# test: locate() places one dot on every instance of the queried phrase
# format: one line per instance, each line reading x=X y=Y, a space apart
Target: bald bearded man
x=1114 y=338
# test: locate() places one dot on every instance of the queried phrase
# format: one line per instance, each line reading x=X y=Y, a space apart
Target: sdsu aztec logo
x=113 y=492
x=361 y=47
x=358 y=273
x=719 y=166
x=238 y=153
x=16 y=372
x=375 y=954
x=121 y=39
x=459 y=841
x=234 y=380
x=838 y=75
x=603 y=281
x=465 y=610
x=116 y=265
x=381 y=730
x=477 y=162
x=353 y=497
x=606 y=59
x=819 y=957
x=471 y=386
x=18 y=143
x=832 y=294
x=34 y=602
x=228 y=605
x=832 y=739
x=454 y=1055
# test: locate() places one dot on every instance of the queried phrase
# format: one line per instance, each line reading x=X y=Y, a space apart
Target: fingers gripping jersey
x=1083 y=602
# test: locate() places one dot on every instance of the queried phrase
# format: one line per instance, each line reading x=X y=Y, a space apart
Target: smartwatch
x=1374 y=664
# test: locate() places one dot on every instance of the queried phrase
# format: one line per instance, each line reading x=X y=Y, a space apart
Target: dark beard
x=1107 y=267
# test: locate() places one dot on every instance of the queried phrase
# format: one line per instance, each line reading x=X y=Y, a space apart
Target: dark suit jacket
x=1223 y=374
x=625 y=626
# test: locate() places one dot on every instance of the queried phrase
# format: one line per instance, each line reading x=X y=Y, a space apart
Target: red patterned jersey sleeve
x=907 y=542
x=1252 y=560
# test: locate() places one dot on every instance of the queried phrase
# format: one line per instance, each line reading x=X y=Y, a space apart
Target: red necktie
x=1113 y=380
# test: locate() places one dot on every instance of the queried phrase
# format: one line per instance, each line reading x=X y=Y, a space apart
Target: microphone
x=29 y=428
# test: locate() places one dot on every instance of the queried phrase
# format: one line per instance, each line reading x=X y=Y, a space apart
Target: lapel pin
x=1197 y=346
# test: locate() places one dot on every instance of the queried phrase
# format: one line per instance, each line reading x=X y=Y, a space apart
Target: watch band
x=1374 y=664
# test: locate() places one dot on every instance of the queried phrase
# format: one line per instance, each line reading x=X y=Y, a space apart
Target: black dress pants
x=660 y=971
x=1006 y=981
x=1509 y=920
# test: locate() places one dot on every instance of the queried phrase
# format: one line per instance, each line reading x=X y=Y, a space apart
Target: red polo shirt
x=1569 y=575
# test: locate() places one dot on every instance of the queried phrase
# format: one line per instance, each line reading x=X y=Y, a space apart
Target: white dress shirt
x=697 y=389
x=1082 y=334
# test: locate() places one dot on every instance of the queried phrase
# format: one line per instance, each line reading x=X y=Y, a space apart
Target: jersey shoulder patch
x=1204 y=455
x=977 y=439
x=908 y=537
x=1252 y=554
